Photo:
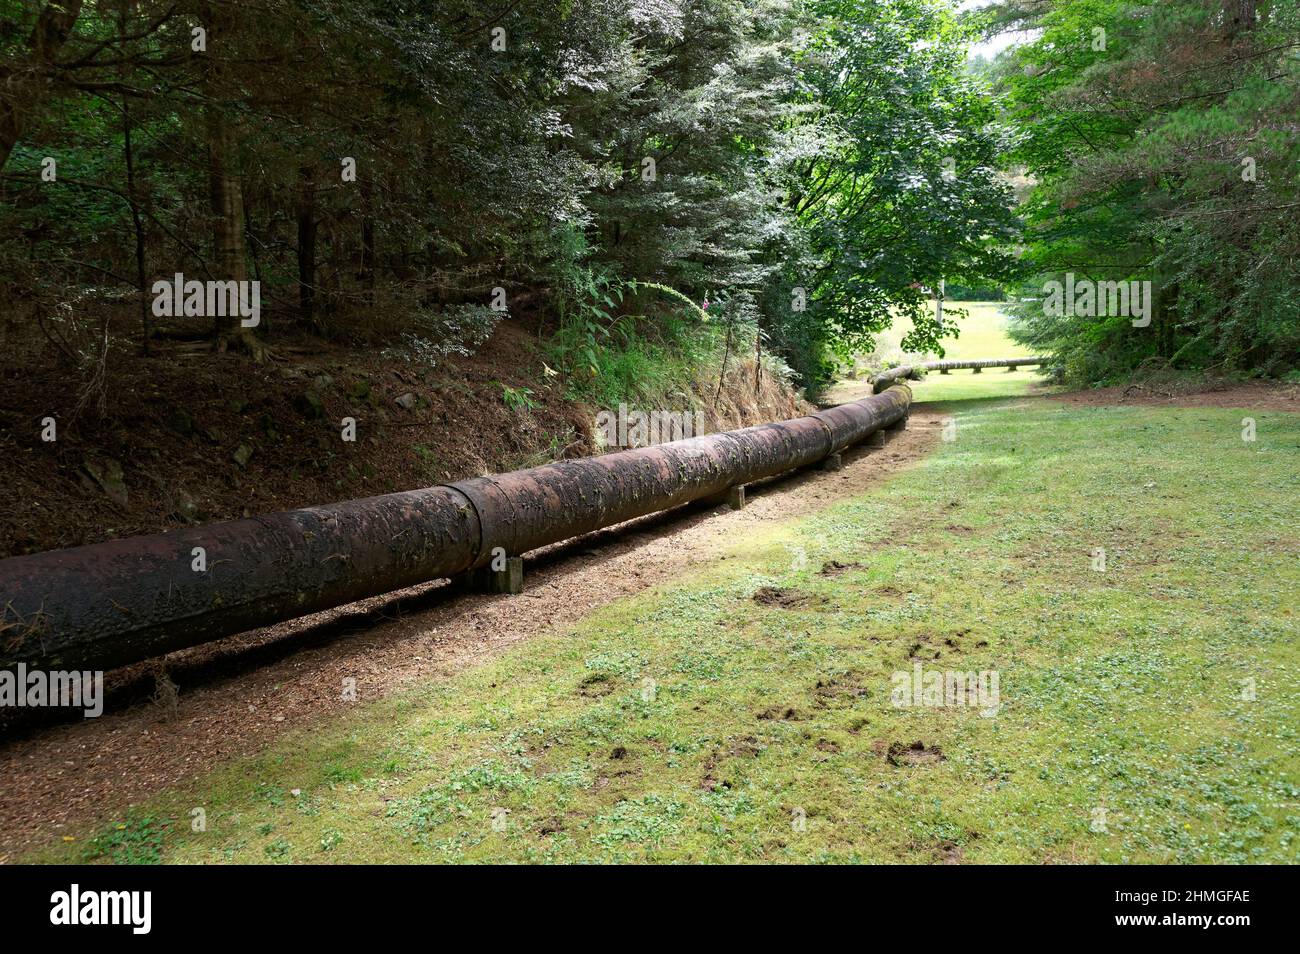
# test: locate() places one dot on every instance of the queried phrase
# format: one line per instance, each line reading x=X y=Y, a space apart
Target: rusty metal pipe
x=108 y=604
x=912 y=371
x=114 y=603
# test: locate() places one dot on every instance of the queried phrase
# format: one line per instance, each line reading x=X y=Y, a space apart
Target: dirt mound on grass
x=780 y=596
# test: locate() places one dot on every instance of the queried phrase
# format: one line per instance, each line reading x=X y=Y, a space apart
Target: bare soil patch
x=1254 y=395
x=189 y=436
x=918 y=753
x=835 y=567
x=780 y=597
x=193 y=437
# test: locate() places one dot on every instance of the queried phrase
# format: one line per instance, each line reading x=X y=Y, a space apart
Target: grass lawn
x=1145 y=713
x=983 y=335
x=967 y=385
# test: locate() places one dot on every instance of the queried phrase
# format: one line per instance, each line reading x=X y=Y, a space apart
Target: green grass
x=967 y=385
x=983 y=332
x=692 y=723
x=983 y=335
x=622 y=364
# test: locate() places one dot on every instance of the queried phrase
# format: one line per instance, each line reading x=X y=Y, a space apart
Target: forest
x=811 y=170
x=778 y=160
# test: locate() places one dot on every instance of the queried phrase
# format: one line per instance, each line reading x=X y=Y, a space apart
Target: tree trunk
x=1165 y=318
x=224 y=188
x=24 y=87
x=137 y=225
x=227 y=214
x=306 y=245
x=367 y=272
x=367 y=275
x=1239 y=16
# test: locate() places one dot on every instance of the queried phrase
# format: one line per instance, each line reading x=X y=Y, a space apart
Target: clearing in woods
x=1136 y=608
x=983 y=335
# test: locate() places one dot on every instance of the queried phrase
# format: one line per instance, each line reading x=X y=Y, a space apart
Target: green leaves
x=908 y=191
x=1169 y=154
x=833 y=153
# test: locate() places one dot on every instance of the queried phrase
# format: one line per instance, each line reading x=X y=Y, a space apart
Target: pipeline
x=913 y=371
x=123 y=601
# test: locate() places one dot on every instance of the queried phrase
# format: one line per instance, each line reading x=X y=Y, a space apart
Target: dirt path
x=1253 y=395
x=1256 y=395
x=239 y=695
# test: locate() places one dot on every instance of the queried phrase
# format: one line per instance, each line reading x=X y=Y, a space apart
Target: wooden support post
x=875 y=439
x=898 y=425
x=976 y=370
x=509 y=580
x=833 y=462
x=943 y=370
x=733 y=497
